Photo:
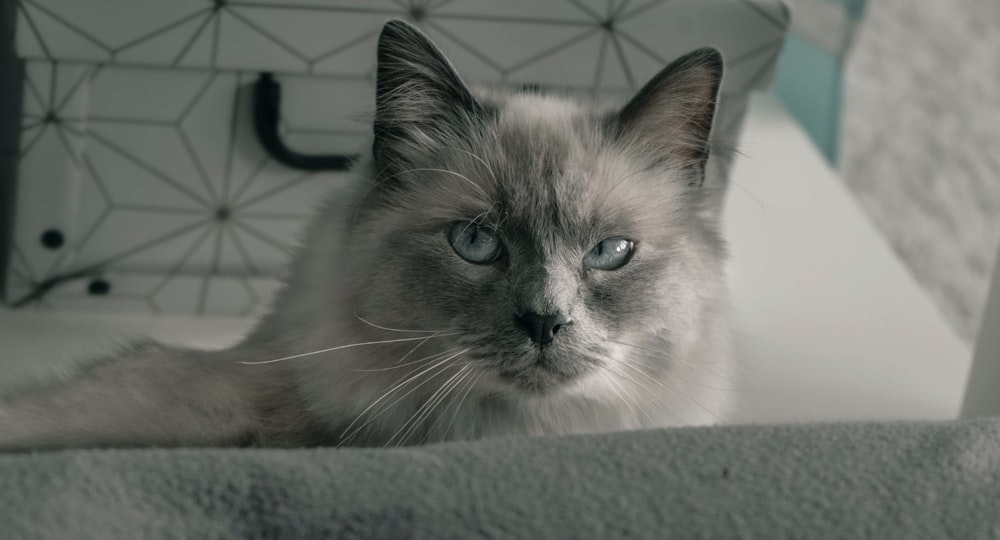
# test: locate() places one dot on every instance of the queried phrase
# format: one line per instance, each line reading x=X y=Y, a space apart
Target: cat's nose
x=542 y=328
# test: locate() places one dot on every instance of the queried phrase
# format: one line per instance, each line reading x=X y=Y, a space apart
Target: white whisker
x=453 y=391
x=613 y=385
x=394 y=389
x=407 y=379
x=410 y=363
x=637 y=406
x=458 y=406
x=671 y=389
x=348 y=346
x=428 y=406
x=705 y=365
x=444 y=171
x=477 y=158
x=414 y=349
x=375 y=182
x=406 y=330
x=663 y=405
x=462 y=176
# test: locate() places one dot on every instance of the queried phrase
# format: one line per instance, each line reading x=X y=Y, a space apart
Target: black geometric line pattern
x=234 y=34
x=129 y=186
x=137 y=147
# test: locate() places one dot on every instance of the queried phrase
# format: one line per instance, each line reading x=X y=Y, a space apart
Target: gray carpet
x=921 y=142
x=856 y=480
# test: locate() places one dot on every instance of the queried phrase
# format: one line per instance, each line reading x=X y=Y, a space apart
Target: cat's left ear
x=419 y=98
x=670 y=118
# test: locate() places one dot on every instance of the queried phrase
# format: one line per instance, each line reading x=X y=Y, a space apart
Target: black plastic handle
x=266 y=112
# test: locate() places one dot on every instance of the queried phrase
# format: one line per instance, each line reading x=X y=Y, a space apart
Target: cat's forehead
x=539 y=110
x=543 y=164
x=555 y=158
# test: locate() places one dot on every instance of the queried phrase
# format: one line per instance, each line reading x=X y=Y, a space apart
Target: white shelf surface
x=829 y=323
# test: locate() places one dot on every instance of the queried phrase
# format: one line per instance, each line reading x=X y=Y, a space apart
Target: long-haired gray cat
x=503 y=264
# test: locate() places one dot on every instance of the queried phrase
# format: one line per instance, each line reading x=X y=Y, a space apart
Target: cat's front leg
x=149 y=395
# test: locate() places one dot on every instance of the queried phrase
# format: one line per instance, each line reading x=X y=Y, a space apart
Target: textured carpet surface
x=866 y=480
x=921 y=142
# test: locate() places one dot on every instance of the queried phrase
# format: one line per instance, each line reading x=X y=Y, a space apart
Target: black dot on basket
x=53 y=239
x=99 y=287
x=223 y=213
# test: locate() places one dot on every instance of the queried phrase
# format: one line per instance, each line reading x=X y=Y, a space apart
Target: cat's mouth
x=542 y=374
x=534 y=380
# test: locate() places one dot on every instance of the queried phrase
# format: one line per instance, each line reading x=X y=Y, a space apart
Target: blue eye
x=474 y=243
x=609 y=254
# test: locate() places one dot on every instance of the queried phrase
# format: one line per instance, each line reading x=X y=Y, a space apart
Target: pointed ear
x=418 y=94
x=670 y=118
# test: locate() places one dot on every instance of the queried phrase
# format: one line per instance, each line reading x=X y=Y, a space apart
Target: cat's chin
x=542 y=376
x=531 y=382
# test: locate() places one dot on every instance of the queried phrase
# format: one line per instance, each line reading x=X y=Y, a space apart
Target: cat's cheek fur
x=423 y=270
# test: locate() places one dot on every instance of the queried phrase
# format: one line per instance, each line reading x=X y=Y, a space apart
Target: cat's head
x=547 y=238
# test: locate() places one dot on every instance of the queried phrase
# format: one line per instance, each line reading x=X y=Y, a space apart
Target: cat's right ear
x=419 y=98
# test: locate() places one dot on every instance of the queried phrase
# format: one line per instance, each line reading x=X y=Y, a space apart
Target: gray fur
x=647 y=343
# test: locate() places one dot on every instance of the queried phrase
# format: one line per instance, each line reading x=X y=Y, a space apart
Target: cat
x=501 y=264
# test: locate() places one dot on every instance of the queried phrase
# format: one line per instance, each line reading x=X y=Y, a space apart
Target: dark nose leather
x=542 y=328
